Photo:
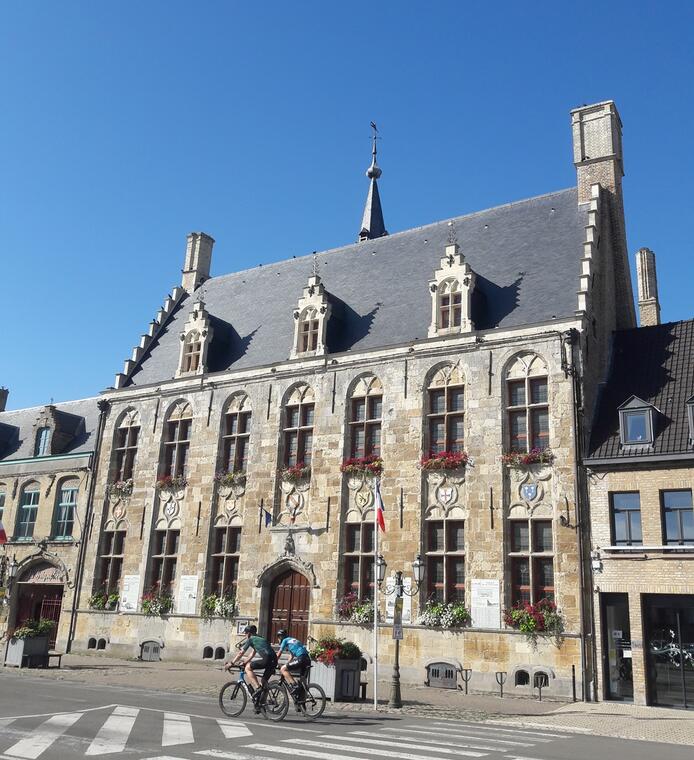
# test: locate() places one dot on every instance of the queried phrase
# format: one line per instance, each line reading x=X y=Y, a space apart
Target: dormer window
x=191 y=352
x=195 y=341
x=636 y=423
x=451 y=295
x=311 y=319
x=308 y=331
x=43 y=437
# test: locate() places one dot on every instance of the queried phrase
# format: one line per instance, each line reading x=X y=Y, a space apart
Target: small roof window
x=690 y=415
x=636 y=422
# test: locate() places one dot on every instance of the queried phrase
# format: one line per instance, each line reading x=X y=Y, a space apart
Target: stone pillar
x=198 y=259
x=638 y=648
x=649 y=304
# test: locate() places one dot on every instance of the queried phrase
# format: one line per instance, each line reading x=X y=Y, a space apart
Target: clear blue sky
x=126 y=125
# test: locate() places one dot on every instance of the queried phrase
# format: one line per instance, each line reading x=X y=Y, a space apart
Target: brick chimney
x=649 y=305
x=198 y=259
x=4 y=393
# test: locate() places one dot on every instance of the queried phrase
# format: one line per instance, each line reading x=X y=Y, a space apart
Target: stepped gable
x=526 y=256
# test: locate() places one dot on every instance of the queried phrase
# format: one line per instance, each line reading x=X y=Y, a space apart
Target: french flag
x=379 y=507
x=3 y=535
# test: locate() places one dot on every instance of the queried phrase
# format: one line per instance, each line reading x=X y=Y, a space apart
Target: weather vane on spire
x=314 y=267
x=374 y=171
x=452 y=236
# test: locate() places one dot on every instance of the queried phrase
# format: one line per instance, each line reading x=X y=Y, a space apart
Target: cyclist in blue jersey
x=299 y=660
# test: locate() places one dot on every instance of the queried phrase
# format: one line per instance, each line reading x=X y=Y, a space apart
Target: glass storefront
x=669 y=645
x=616 y=647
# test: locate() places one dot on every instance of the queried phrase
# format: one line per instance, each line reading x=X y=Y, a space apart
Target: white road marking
x=381 y=752
x=356 y=736
x=535 y=736
x=6 y=721
x=52 y=714
x=216 y=753
x=233 y=729
x=113 y=735
x=43 y=736
x=177 y=730
x=403 y=731
x=523 y=724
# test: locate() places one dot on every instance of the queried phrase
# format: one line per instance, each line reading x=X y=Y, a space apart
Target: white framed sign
x=485 y=606
x=187 y=595
x=130 y=593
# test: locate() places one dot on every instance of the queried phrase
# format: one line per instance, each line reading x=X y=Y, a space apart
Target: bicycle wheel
x=276 y=702
x=312 y=701
x=232 y=699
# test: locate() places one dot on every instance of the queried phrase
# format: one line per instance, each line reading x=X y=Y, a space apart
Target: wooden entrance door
x=290 y=598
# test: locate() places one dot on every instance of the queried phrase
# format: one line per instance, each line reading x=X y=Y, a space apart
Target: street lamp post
x=399 y=591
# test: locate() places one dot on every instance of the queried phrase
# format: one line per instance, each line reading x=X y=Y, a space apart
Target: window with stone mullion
x=191 y=354
x=26 y=515
x=298 y=434
x=528 y=414
x=445 y=558
x=126 y=450
x=358 y=559
x=235 y=441
x=531 y=560
x=65 y=512
x=449 y=310
x=309 y=335
x=446 y=419
x=176 y=447
x=365 y=426
x=226 y=551
x=111 y=561
x=165 y=558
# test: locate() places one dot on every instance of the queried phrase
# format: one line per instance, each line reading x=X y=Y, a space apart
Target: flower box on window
x=445 y=460
x=296 y=473
x=169 y=483
x=157 y=603
x=120 y=489
x=441 y=615
x=101 y=600
x=214 y=605
x=540 y=619
x=528 y=458
x=229 y=479
x=370 y=465
x=354 y=610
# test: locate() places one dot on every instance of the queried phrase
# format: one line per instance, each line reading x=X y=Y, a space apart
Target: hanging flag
x=3 y=535
x=268 y=517
x=379 y=507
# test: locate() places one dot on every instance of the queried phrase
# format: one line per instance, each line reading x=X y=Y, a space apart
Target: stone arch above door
x=286 y=562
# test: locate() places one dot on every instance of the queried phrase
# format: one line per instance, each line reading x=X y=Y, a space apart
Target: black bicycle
x=309 y=698
x=272 y=701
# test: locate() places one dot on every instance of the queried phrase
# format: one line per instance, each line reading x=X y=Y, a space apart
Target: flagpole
x=375 y=577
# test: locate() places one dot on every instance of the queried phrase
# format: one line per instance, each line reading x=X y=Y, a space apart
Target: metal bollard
x=466 y=674
x=573 y=682
x=501 y=680
x=539 y=688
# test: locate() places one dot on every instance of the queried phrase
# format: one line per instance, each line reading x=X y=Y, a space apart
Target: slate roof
x=655 y=364
x=526 y=256
x=17 y=428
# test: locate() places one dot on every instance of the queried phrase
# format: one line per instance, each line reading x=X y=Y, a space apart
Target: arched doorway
x=40 y=595
x=290 y=599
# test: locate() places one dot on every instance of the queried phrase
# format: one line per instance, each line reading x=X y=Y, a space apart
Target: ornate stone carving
x=294 y=501
x=284 y=562
x=361 y=494
x=529 y=486
x=445 y=495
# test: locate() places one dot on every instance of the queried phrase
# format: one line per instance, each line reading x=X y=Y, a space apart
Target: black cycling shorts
x=265 y=662
x=298 y=665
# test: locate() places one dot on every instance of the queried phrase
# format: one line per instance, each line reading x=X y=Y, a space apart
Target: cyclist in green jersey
x=262 y=657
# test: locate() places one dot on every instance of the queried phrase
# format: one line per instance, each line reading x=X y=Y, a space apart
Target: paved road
x=61 y=720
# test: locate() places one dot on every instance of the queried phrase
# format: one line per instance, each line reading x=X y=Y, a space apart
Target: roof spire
x=372 y=224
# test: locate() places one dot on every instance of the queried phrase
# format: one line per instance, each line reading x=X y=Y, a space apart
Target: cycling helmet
x=282 y=634
x=250 y=629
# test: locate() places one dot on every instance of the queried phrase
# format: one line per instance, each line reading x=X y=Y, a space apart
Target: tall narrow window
x=626 y=518
x=235 y=438
x=358 y=558
x=226 y=550
x=177 y=441
x=445 y=558
x=191 y=352
x=532 y=560
x=298 y=433
x=65 y=510
x=678 y=517
x=2 y=500
x=43 y=436
x=450 y=306
x=527 y=406
x=446 y=411
x=111 y=561
x=125 y=446
x=164 y=558
x=26 y=514
x=366 y=410
x=308 y=331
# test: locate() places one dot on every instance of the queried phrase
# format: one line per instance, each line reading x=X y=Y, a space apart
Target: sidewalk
x=603 y=718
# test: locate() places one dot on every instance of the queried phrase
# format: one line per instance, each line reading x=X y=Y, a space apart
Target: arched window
x=450 y=305
x=308 y=331
x=446 y=410
x=43 y=437
x=125 y=445
x=65 y=507
x=191 y=352
x=527 y=407
x=26 y=514
x=366 y=410
x=298 y=427
x=236 y=434
x=177 y=440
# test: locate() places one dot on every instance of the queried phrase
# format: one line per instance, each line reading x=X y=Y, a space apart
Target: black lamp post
x=399 y=591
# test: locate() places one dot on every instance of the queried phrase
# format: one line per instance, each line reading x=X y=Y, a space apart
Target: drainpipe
x=79 y=570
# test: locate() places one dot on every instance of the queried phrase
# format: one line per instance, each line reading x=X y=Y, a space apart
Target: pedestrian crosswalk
x=118 y=730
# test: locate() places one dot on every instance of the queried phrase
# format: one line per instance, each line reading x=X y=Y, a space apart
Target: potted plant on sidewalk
x=30 y=640
x=337 y=668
